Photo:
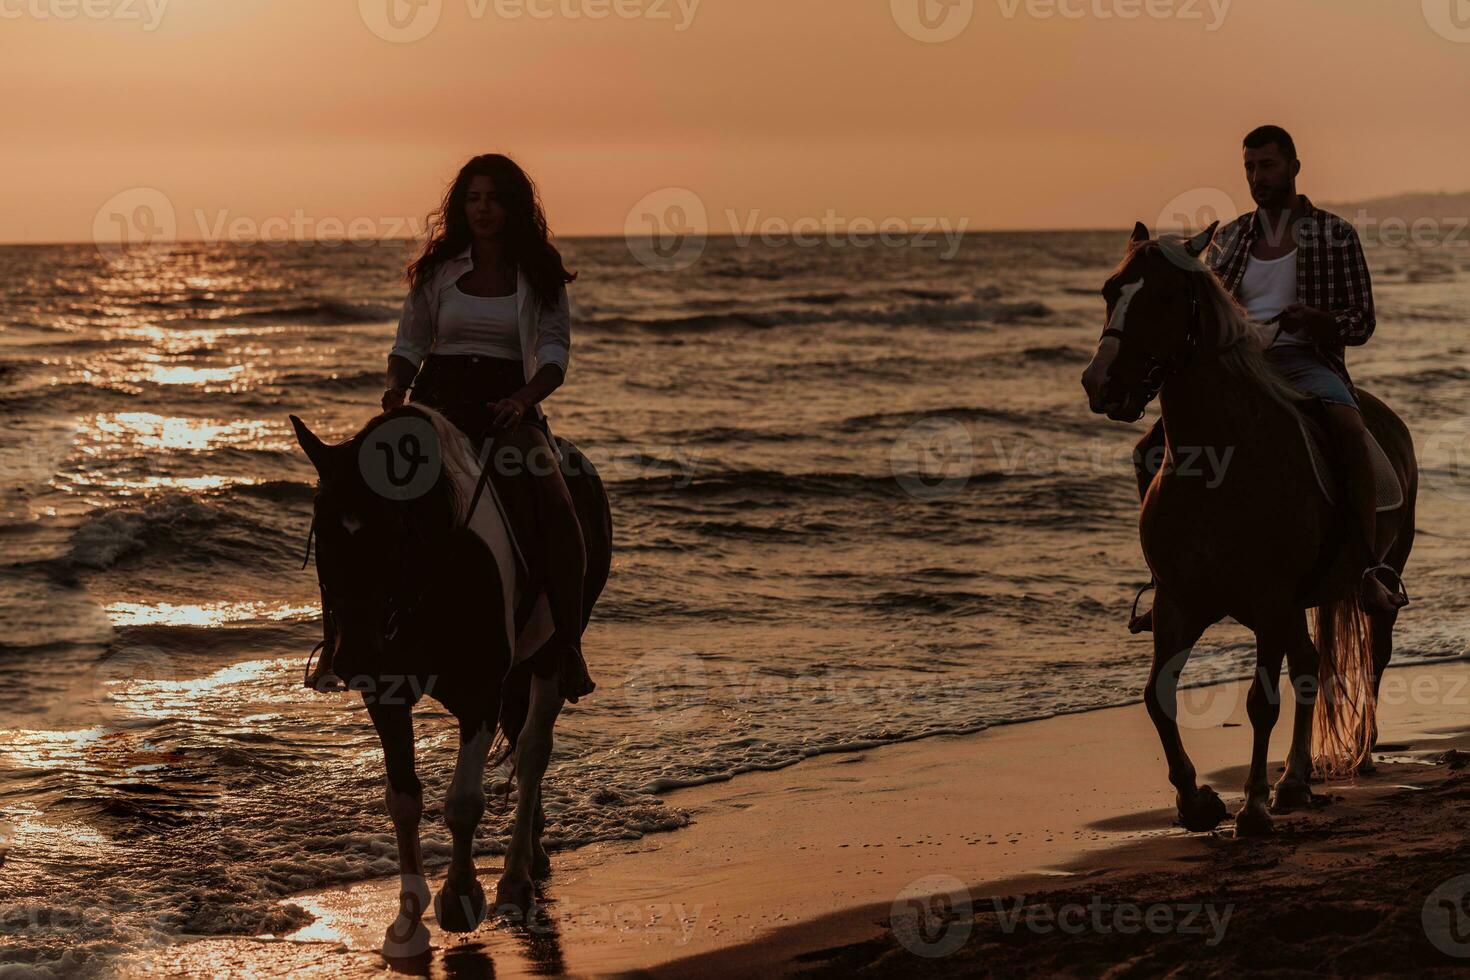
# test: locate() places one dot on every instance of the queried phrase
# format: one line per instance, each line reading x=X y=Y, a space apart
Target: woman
x=485 y=336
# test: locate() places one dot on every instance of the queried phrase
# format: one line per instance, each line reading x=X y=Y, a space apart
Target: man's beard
x=1272 y=197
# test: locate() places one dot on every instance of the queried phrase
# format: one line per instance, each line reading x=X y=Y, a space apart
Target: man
x=1300 y=274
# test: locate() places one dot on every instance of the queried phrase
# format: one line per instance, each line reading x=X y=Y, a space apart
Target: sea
x=858 y=498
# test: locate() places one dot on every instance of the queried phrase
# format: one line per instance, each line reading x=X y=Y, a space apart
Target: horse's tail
x=1346 y=704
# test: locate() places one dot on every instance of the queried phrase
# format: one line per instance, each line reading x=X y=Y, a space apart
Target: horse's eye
x=351 y=523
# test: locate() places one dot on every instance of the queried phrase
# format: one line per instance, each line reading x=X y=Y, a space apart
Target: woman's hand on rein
x=509 y=412
x=393 y=398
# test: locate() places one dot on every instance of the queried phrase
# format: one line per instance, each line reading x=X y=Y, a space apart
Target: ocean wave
x=228 y=527
x=326 y=312
x=932 y=313
x=750 y=484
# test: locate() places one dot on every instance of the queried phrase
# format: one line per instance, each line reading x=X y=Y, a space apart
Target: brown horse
x=1260 y=543
x=428 y=598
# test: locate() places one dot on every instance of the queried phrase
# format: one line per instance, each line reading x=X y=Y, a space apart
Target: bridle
x=1156 y=369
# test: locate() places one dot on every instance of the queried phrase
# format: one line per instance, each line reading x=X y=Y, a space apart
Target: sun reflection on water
x=204 y=614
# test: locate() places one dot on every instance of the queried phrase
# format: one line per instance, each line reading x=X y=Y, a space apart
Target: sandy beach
x=1040 y=830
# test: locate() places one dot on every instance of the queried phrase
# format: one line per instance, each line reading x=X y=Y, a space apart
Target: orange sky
x=246 y=110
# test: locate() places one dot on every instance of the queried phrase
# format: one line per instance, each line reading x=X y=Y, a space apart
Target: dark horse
x=427 y=597
x=1263 y=545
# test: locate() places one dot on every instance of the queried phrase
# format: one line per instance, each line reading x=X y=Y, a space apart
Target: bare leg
x=557 y=552
x=533 y=755
x=1294 y=788
x=1263 y=705
x=407 y=936
x=1351 y=436
x=1174 y=638
x=460 y=906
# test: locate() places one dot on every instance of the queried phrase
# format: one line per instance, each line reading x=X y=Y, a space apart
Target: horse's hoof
x=1203 y=812
x=515 y=896
x=460 y=909
x=1253 y=821
x=1291 y=796
x=406 y=939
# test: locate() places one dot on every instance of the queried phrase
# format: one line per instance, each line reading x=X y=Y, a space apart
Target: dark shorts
x=1306 y=370
x=464 y=387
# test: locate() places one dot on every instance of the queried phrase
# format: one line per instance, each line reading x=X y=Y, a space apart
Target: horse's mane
x=1232 y=332
x=458 y=460
x=443 y=509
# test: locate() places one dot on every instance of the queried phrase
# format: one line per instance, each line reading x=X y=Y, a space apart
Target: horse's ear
x=1140 y=233
x=316 y=450
x=1200 y=242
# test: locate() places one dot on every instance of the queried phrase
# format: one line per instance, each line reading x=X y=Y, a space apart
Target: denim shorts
x=1306 y=370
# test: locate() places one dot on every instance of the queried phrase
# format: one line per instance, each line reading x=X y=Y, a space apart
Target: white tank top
x=1268 y=288
x=483 y=325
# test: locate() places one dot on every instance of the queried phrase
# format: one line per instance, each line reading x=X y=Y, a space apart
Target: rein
x=1156 y=369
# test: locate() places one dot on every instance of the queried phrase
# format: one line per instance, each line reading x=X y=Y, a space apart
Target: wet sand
x=802 y=870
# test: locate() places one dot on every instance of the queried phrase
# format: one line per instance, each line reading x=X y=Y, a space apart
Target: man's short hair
x=1266 y=135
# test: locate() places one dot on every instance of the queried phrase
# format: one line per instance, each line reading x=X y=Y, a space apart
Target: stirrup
x=1398 y=587
x=1145 y=623
x=315 y=682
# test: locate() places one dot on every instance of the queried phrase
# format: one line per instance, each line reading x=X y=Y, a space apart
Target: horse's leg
x=1175 y=634
x=1294 y=788
x=407 y=936
x=460 y=905
x=533 y=755
x=540 y=860
x=1263 y=705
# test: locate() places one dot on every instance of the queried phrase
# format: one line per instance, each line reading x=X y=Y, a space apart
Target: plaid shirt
x=1332 y=274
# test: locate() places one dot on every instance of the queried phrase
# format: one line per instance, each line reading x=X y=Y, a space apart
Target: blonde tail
x=1346 y=706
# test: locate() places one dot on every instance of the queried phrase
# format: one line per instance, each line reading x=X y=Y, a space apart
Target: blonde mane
x=461 y=468
x=1232 y=331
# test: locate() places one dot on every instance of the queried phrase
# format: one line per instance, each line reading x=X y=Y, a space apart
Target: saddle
x=1390 y=493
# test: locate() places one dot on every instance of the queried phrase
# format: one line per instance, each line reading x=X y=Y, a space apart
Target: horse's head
x=376 y=542
x=1153 y=322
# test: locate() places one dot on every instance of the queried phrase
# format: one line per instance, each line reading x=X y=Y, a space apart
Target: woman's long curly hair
x=527 y=239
